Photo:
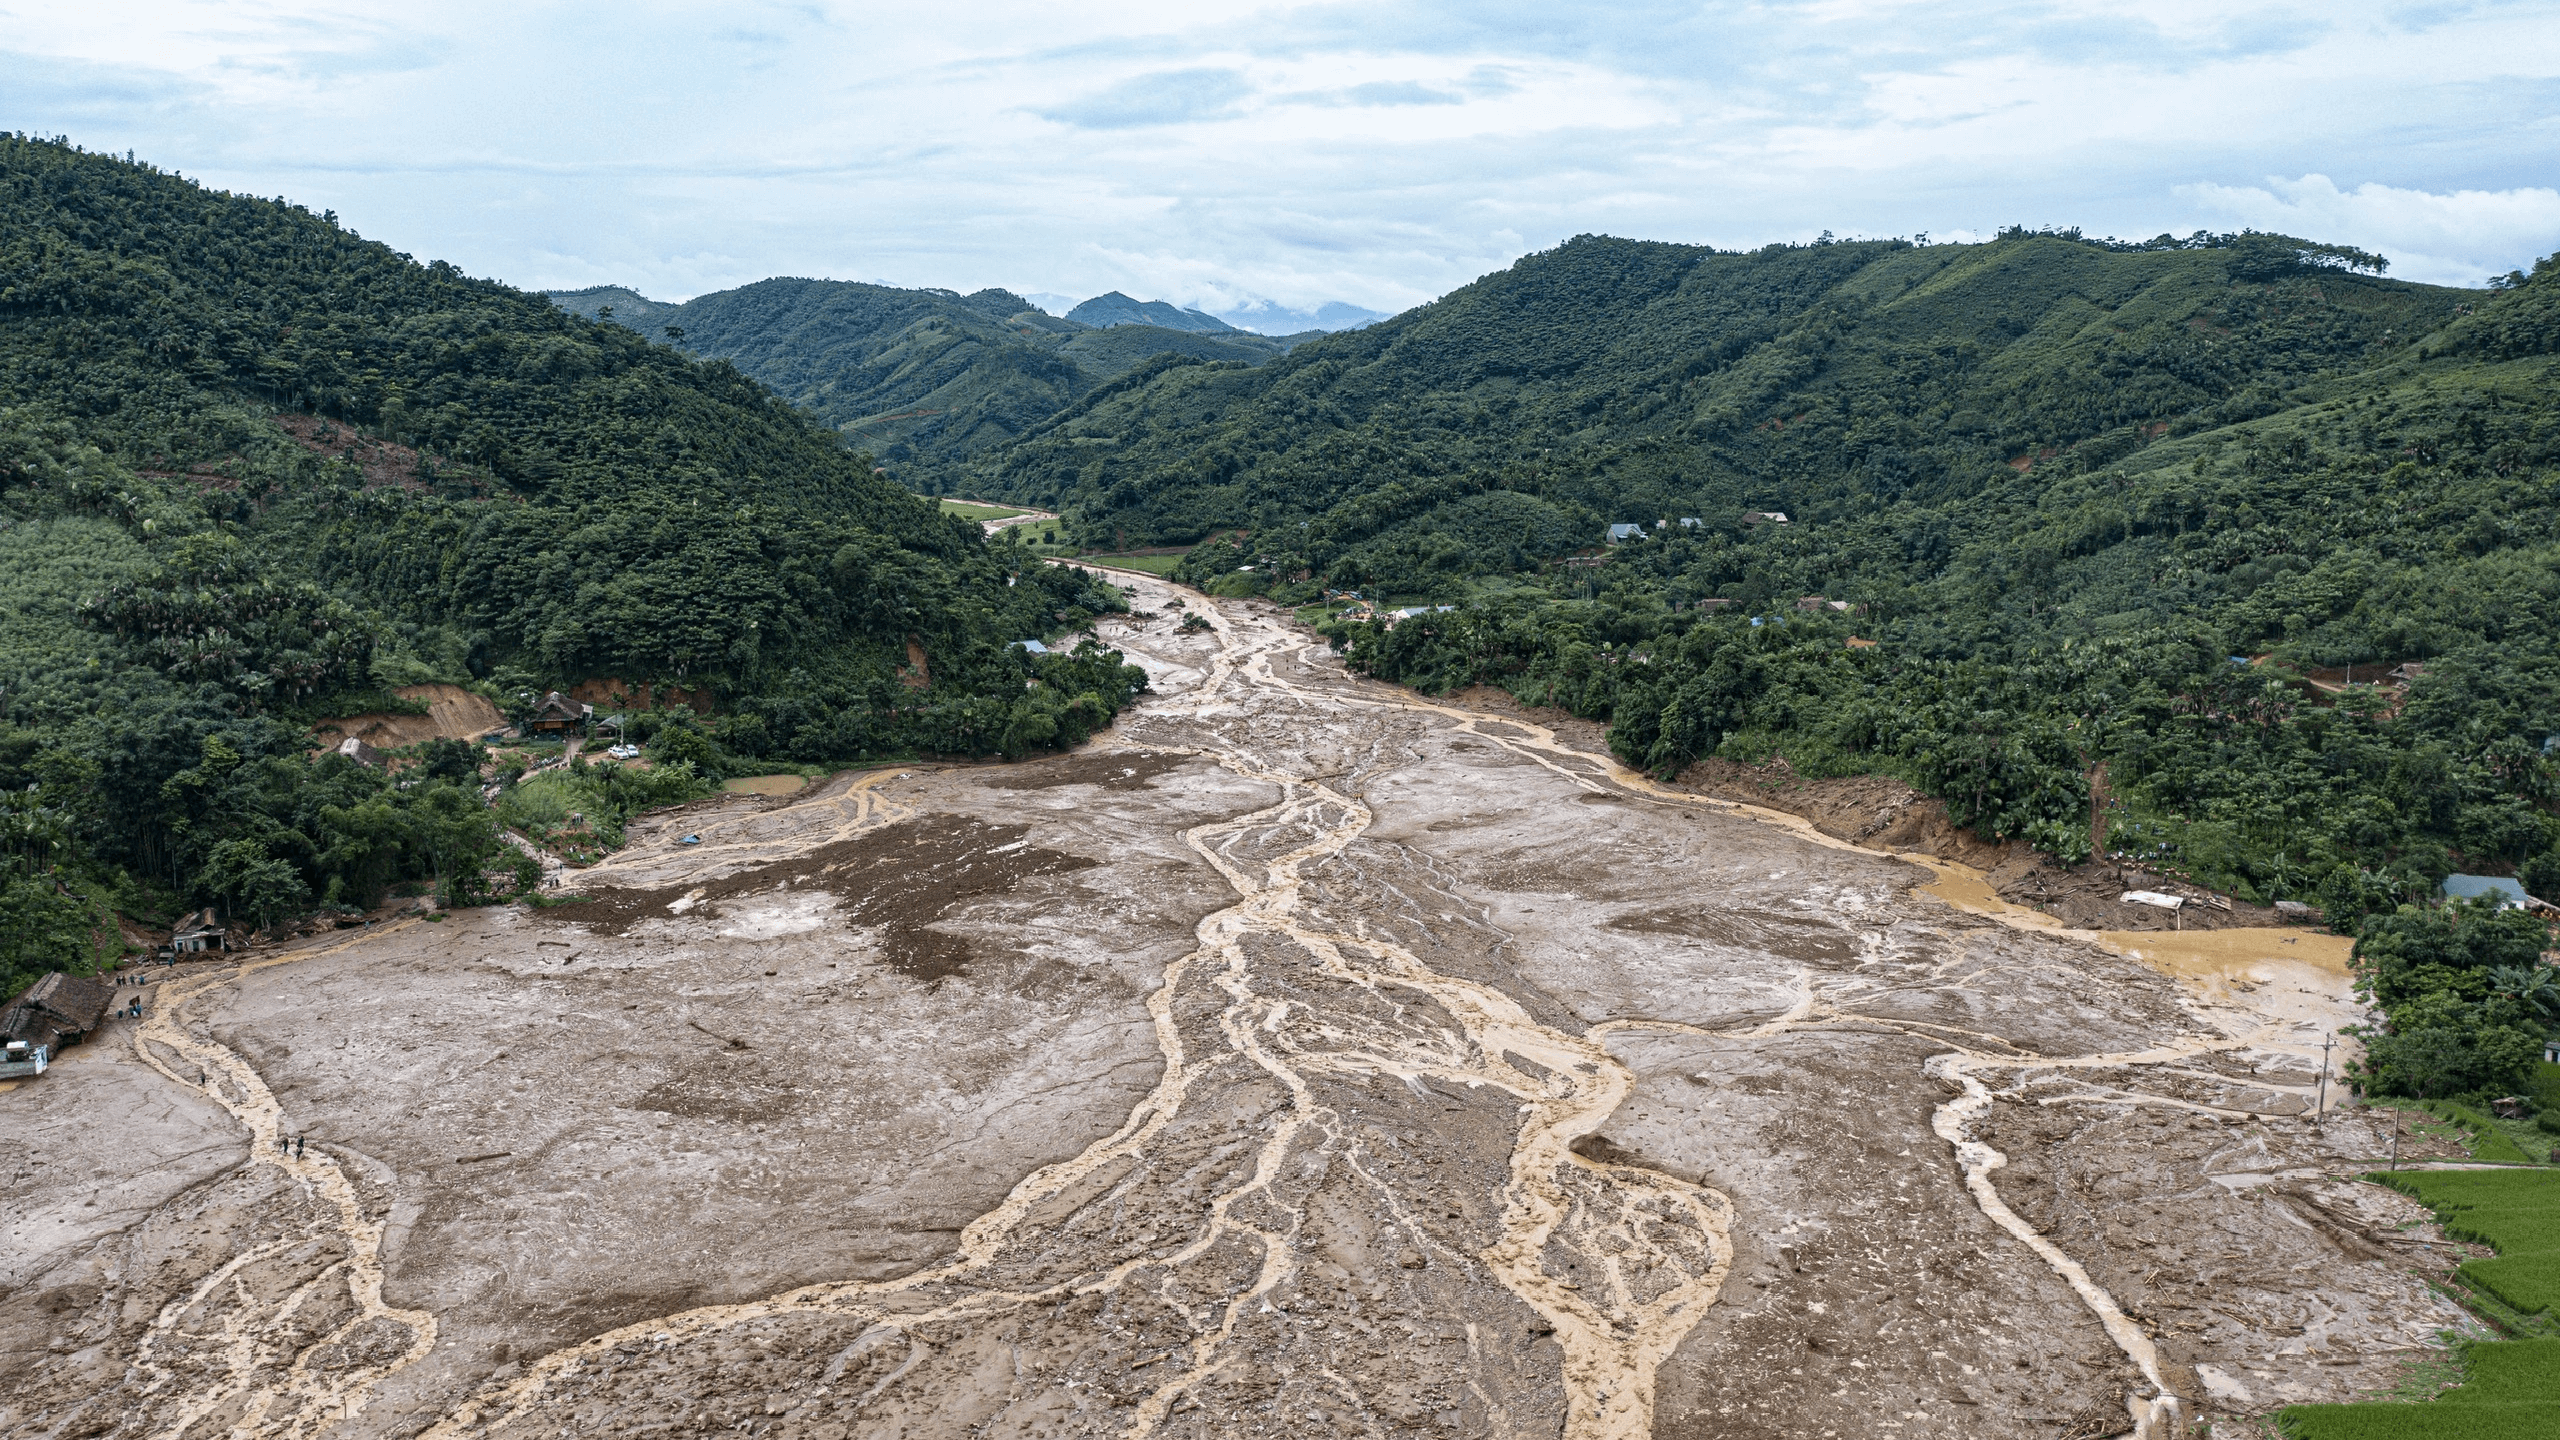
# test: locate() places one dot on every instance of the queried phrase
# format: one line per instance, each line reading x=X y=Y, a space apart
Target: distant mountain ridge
x=1262 y=317
x=1269 y=317
x=925 y=379
x=1114 y=308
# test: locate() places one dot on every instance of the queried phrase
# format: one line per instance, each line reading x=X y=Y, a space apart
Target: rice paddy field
x=2510 y=1389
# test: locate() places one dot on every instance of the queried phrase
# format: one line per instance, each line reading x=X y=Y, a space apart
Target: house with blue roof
x=2509 y=894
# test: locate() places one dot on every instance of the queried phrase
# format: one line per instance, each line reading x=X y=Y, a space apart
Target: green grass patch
x=1152 y=564
x=972 y=510
x=2484 y=1137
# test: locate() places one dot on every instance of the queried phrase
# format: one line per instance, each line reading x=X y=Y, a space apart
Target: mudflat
x=1302 y=1057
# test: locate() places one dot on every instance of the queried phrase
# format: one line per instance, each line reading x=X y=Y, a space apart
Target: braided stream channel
x=1288 y=998
x=1303 y=1057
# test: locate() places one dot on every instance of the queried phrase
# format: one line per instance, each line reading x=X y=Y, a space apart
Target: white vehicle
x=624 y=752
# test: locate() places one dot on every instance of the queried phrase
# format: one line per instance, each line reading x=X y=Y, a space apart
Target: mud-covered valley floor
x=1301 y=1058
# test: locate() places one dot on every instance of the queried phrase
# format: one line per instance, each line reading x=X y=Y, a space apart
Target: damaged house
x=57 y=1011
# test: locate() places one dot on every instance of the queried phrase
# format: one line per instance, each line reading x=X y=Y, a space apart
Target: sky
x=1259 y=160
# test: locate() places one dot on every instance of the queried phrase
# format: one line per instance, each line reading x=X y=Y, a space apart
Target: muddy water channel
x=1303 y=1058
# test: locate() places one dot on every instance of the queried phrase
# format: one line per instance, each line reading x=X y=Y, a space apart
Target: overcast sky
x=1377 y=153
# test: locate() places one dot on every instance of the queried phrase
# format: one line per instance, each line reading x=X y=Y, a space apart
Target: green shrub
x=683 y=744
x=605 y=795
x=43 y=928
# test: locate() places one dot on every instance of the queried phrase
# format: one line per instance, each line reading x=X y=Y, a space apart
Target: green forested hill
x=1618 y=375
x=254 y=468
x=924 y=379
x=2131 y=516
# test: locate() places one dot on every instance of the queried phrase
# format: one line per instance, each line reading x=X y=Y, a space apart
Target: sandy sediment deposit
x=1301 y=1058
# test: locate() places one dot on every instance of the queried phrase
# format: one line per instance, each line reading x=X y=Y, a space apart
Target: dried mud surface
x=1301 y=1058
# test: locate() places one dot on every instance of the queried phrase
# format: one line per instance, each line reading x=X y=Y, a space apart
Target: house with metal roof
x=2509 y=893
x=1620 y=534
x=198 y=931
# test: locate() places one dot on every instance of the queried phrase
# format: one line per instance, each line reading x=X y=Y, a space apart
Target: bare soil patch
x=1586 y=735
x=453 y=713
x=607 y=693
x=382 y=461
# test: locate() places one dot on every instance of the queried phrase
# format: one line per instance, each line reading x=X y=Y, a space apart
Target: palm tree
x=2537 y=986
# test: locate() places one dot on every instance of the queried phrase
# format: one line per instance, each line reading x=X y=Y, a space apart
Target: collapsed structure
x=57 y=1011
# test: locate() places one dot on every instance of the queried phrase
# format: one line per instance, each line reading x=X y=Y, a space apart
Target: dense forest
x=256 y=471
x=2222 y=553
x=924 y=379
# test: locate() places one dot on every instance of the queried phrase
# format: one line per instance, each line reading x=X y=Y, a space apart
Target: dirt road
x=1302 y=1058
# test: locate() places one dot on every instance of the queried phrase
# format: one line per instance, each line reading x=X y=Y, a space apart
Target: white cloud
x=1163 y=97
x=2460 y=237
x=1231 y=153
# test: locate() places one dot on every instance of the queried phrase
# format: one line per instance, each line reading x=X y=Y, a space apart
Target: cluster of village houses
x=63 y=1009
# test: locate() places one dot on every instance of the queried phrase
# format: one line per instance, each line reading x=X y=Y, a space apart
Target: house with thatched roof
x=558 y=715
x=56 y=1011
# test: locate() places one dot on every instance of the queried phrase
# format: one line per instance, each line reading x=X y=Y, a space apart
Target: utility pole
x=2395 y=1137
x=2320 y=1111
